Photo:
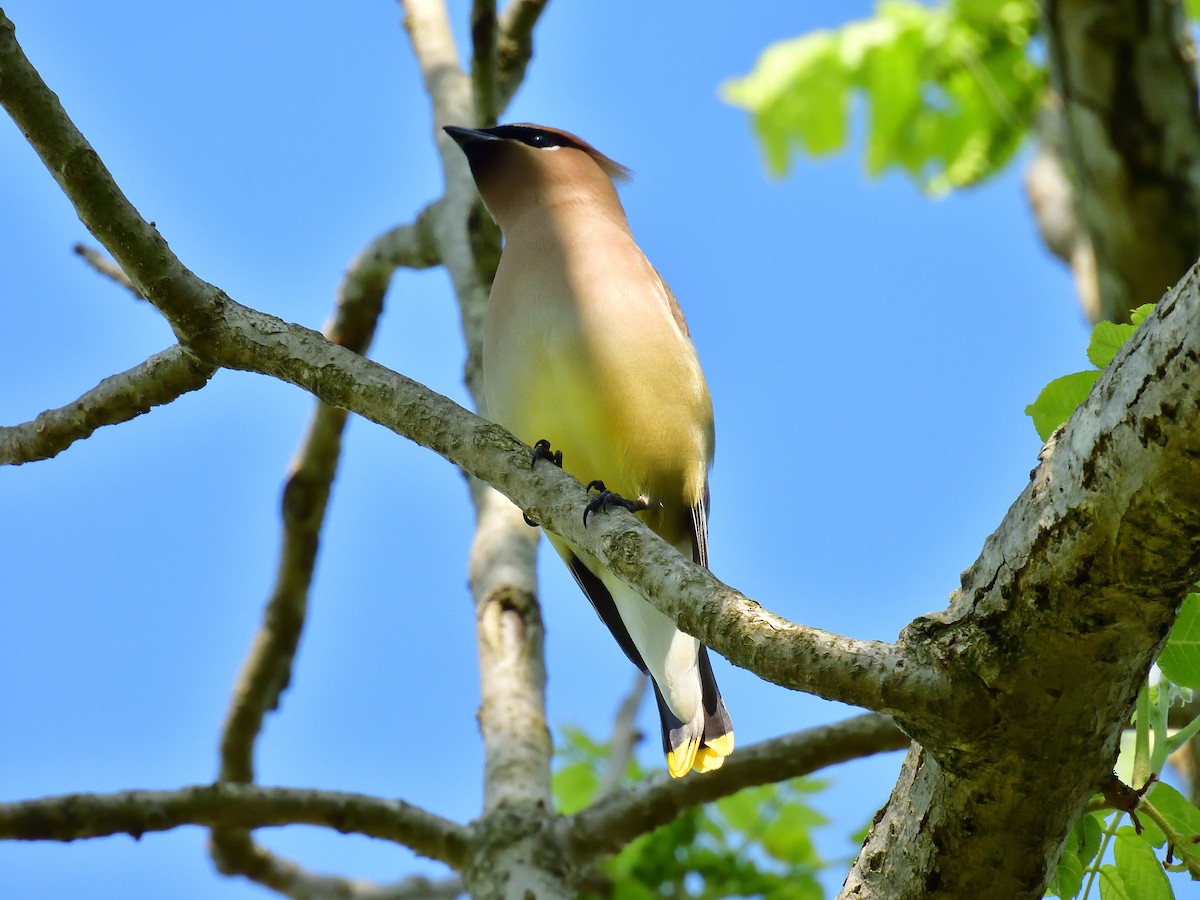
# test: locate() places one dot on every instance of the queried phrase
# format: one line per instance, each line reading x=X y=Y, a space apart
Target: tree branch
x=618 y=818
x=242 y=856
x=157 y=381
x=106 y=267
x=509 y=630
x=484 y=37
x=1052 y=202
x=268 y=669
x=1060 y=617
x=471 y=254
x=71 y=817
x=1125 y=70
x=515 y=47
x=625 y=737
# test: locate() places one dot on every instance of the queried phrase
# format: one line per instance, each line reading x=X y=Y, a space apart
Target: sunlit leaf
x=1180 y=659
x=1142 y=313
x=1079 y=850
x=950 y=90
x=1068 y=877
x=1141 y=873
x=787 y=839
x=743 y=810
x=1107 y=339
x=1058 y=400
x=1181 y=815
x=574 y=787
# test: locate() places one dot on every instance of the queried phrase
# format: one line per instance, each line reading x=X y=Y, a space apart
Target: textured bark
x=1060 y=618
x=162 y=378
x=1125 y=71
x=76 y=816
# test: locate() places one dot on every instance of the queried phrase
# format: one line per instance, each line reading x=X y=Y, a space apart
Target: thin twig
x=625 y=737
x=106 y=267
x=160 y=379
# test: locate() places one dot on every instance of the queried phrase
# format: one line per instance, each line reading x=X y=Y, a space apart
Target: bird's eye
x=540 y=140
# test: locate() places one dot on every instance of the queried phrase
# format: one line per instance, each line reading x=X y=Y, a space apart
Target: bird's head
x=522 y=166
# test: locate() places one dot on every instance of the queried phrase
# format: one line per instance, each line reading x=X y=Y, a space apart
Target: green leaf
x=787 y=837
x=1090 y=830
x=1140 y=871
x=629 y=889
x=1142 y=313
x=1180 y=814
x=1068 y=877
x=799 y=94
x=574 y=786
x=743 y=810
x=1112 y=886
x=1079 y=850
x=1107 y=339
x=1180 y=659
x=951 y=89
x=1058 y=400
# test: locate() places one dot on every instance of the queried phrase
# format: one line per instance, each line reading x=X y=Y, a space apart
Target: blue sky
x=869 y=352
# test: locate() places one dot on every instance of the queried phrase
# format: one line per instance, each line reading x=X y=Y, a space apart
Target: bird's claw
x=541 y=450
x=604 y=499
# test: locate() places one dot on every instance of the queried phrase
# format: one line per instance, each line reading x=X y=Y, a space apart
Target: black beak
x=465 y=136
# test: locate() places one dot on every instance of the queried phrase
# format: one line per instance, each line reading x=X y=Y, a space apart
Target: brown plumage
x=586 y=347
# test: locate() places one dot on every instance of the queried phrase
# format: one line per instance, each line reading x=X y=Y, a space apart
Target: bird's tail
x=703 y=743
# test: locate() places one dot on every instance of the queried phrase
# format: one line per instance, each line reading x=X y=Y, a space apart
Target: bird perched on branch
x=586 y=354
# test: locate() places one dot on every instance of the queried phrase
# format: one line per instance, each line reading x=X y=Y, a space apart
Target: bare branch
x=268 y=669
x=244 y=857
x=625 y=737
x=106 y=267
x=484 y=37
x=71 y=817
x=515 y=47
x=157 y=381
x=470 y=254
x=613 y=821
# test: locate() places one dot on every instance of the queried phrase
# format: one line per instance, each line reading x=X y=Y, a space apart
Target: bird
x=588 y=358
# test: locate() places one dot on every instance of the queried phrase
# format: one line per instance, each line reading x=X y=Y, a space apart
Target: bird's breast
x=581 y=348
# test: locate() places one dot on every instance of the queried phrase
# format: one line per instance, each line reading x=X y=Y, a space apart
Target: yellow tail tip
x=721 y=746
x=681 y=758
x=707 y=758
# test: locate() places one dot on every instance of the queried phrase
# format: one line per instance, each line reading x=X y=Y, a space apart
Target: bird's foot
x=541 y=450
x=604 y=499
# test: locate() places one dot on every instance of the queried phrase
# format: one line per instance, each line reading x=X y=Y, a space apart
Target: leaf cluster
x=757 y=842
x=950 y=90
x=1064 y=394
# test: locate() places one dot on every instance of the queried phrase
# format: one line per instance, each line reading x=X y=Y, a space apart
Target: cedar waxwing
x=586 y=348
